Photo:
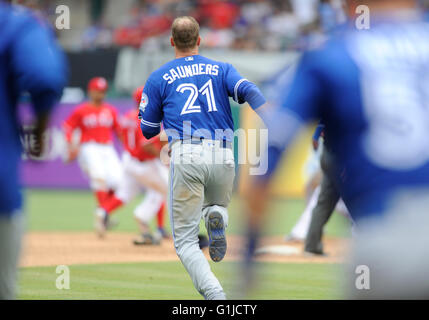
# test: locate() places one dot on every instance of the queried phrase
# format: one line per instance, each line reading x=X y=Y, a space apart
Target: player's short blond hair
x=185 y=32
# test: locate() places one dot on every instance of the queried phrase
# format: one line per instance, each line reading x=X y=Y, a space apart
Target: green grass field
x=72 y=211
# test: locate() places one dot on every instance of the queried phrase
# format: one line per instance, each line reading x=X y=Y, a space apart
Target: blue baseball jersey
x=30 y=61
x=190 y=96
x=371 y=90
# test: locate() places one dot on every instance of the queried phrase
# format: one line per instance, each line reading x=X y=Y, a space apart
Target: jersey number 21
x=206 y=90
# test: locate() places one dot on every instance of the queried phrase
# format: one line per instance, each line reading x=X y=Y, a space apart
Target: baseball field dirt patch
x=67 y=248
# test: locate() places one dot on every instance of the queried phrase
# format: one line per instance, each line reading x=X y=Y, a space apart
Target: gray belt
x=223 y=143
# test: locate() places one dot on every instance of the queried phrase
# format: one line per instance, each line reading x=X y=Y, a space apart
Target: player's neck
x=183 y=54
x=96 y=103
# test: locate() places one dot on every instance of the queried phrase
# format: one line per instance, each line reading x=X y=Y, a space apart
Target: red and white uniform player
x=142 y=170
x=96 y=121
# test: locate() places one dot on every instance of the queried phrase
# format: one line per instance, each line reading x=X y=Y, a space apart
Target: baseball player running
x=96 y=121
x=142 y=169
x=31 y=61
x=190 y=95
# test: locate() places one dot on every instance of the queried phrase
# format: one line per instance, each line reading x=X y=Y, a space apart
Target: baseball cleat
x=147 y=239
x=111 y=223
x=314 y=253
x=163 y=233
x=217 y=239
x=100 y=224
x=293 y=239
x=103 y=222
x=203 y=241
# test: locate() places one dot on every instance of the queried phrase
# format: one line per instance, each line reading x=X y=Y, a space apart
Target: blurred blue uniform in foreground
x=30 y=61
x=371 y=89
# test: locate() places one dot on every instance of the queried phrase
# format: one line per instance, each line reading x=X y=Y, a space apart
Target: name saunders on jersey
x=186 y=71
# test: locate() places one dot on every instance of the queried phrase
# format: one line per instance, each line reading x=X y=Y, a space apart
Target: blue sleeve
x=251 y=93
x=150 y=110
x=241 y=89
x=39 y=65
x=301 y=103
x=318 y=131
x=304 y=96
x=282 y=128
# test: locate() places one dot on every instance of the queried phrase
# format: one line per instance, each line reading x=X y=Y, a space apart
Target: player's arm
x=243 y=90
x=300 y=103
x=69 y=126
x=39 y=65
x=150 y=110
x=150 y=149
x=117 y=126
x=152 y=146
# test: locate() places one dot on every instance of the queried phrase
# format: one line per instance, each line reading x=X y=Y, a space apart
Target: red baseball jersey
x=133 y=138
x=96 y=123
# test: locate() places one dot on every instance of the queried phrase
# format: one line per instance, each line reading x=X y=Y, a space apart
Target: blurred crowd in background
x=272 y=25
x=112 y=38
x=251 y=25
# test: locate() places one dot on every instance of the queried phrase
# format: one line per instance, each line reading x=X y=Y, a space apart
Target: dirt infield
x=55 y=248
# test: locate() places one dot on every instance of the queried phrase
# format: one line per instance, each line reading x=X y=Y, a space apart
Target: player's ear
x=172 y=41
x=198 y=41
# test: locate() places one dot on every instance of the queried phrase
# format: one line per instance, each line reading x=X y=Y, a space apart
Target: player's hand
x=72 y=153
x=315 y=144
x=37 y=133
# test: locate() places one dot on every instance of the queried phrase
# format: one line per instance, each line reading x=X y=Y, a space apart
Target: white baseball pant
x=151 y=175
x=101 y=164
